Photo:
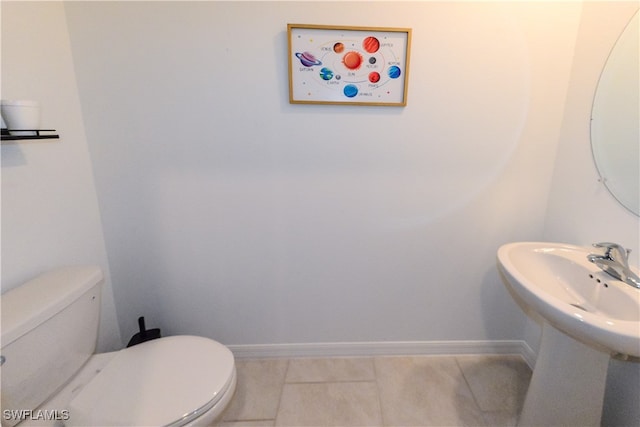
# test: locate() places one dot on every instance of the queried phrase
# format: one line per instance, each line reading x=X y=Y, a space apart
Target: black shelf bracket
x=6 y=134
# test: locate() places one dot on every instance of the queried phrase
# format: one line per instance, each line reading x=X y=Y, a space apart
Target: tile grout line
x=284 y=382
x=466 y=381
x=375 y=373
x=330 y=381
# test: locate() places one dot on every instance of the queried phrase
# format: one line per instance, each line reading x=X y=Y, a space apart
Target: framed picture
x=348 y=65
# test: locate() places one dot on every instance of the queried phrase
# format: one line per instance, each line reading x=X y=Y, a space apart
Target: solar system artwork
x=348 y=65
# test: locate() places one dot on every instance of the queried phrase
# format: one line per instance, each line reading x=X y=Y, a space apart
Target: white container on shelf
x=21 y=117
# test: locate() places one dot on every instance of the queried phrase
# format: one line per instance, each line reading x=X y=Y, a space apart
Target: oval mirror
x=615 y=120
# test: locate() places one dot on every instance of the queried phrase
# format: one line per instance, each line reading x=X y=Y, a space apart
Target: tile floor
x=379 y=391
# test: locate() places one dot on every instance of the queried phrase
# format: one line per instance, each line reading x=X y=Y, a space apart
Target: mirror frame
x=614 y=133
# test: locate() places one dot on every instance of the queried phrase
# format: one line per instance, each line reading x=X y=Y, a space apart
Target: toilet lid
x=161 y=382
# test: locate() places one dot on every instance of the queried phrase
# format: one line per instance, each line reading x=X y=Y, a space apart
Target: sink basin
x=588 y=315
x=573 y=294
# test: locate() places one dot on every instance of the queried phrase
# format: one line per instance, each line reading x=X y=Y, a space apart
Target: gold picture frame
x=348 y=65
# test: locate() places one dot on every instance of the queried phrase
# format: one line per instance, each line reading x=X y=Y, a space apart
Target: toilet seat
x=164 y=382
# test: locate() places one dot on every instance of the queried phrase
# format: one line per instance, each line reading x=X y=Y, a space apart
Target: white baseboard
x=392 y=348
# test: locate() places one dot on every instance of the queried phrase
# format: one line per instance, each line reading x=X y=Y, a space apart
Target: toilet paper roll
x=21 y=117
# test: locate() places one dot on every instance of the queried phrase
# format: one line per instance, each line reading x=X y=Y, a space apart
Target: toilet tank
x=49 y=330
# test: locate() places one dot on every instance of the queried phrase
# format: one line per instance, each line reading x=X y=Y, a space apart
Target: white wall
x=232 y=214
x=50 y=212
x=580 y=209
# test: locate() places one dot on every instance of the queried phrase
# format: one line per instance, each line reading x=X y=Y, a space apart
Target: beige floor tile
x=425 y=391
x=500 y=419
x=330 y=370
x=340 y=404
x=499 y=383
x=256 y=423
x=258 y=389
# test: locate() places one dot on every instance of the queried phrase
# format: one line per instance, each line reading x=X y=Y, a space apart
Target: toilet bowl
x=50 y=372
x=170 y=381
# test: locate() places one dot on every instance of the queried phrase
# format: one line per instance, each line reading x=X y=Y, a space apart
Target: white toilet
x=51 y=376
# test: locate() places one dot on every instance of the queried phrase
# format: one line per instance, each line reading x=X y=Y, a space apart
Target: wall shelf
x=40 y=134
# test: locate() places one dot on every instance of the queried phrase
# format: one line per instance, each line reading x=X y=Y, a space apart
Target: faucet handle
x=609 y=247
x=605 y=245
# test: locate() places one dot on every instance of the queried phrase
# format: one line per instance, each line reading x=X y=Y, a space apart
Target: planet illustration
x=371 y=44
x=394 y=72
x=374 y=77
x=352 y=60
x=307 y=59
x=338 y=47
x=350 y=91
x=372 y=60
x=326 y=74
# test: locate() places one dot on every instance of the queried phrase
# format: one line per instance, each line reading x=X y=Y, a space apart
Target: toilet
x=52 y=376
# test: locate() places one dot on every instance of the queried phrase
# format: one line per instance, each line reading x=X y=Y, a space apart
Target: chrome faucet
x=615 y=262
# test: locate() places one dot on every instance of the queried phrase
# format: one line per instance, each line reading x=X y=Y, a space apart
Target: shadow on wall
x=12 y=156
x=494 y=293
x=622 y=394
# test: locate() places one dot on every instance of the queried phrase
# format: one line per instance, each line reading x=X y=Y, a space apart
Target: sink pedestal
x=568 y=382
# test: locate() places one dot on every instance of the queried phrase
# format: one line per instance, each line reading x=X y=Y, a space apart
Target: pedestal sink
x=588 y=316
